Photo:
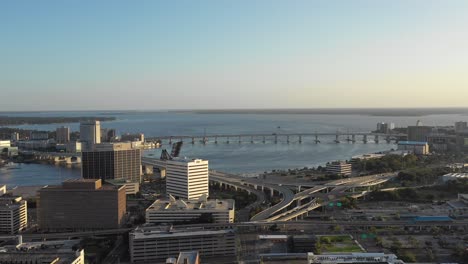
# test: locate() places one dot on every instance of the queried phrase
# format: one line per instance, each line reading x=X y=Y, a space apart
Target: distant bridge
x=351 y=137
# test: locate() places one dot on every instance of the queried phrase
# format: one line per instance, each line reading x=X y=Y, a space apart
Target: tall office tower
x=187 y=178
x=107 y=135
x=419 y=133
x=62 y=135
x=13 y=214
x=461 y=127
x=81 y=204
x=111 y=161
x=90 y=134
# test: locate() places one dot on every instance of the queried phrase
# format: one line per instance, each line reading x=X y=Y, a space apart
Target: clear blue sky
x=58 y=55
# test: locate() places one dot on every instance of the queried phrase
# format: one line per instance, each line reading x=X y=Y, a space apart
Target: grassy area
x=334 y=244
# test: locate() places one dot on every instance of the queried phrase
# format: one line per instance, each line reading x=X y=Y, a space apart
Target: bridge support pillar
x=388 y=139
x=287 y=139
x=316 y=139
x=353 y=138
x=276 y=139
x=170 y=140
x=251 y=140
x=216 y=140
x=227 y=140
x=376 y=138
x=272 y=192
x=240 y=140
x=193 y=140
x=364 y=139
x=300 y=139
x=263 y=140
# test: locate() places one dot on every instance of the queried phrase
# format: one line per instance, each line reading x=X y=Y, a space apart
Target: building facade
x=150 y=245
x=339 y=168
x=13 y=214
x=173 y=211
x=90 y=134
x=131 y=187
x=187 y=178
x=419 y=133
x=62 y=135
x=112 y=161
x=81 y=204
x=415 y=147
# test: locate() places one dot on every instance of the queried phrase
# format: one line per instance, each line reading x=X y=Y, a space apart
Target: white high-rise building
x=187 y=178
x=90 y=134
x=13 y=214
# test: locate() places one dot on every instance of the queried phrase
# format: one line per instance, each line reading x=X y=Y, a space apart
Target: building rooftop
x=112 y=146
x=80 y=185
x=172 y=204
x=57 y=252
x=432 y=219
x=168 y=231
x=418 y=143
x=186 y=160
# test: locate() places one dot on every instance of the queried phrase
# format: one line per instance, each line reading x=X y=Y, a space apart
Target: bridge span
x=350 y=137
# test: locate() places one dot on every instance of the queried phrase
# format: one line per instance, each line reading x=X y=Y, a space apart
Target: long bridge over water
x=338 y=137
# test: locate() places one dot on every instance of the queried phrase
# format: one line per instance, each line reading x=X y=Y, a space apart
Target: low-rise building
x=131 y=187
x=339 y=168
x=454 y=176
x=39 y=135
x=73 y=147
x=416 y=147
x=172 y=210
x=366 y=157
x=13 y=214
x=150 y=245
x=81 y=204
x=44 y=252
x=377 y=258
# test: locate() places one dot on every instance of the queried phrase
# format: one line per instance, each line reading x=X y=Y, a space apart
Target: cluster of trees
x=398 y=195
x=241 y=197
x=388 y=163
x=421 y=175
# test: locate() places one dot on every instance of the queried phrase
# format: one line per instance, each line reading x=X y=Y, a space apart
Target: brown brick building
x=81 y=204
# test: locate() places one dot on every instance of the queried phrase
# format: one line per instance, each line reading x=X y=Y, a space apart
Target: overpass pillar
x=240 y=139
x=300 y=138
x=251 y=140
x=287 y=139
x=216 y=140
x=364 y=139
x=227 y=140
x=170 y=140
x=264 y=140
x=193 y=140
x=272 y=192
x=276 y=139
x=353 y=138
x=376 y=138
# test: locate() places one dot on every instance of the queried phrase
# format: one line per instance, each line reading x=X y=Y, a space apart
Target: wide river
x=245 y=158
